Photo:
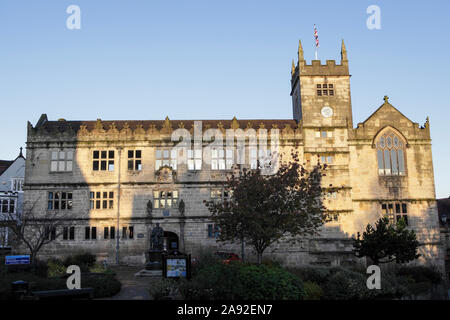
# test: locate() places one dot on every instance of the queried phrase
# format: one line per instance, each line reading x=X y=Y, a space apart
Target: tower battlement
x=316 y=68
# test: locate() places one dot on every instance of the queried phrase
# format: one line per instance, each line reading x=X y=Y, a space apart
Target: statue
x=156 y=242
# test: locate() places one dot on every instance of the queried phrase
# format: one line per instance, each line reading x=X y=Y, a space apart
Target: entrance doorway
x=170 y=242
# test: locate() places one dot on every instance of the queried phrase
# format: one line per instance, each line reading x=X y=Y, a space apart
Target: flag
x=316 y=36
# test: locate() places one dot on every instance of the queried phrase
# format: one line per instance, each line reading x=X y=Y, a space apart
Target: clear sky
x=217 y=59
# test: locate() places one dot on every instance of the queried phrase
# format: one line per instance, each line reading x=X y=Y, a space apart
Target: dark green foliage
x=387 y=243
x=243 y=282
x=104 y=285
x=339 y=283
x=312 y=291
x=420 y=274
x=84 y=260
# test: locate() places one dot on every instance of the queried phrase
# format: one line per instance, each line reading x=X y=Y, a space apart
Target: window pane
x=54 y=155
x=103 y=165
x=158 y=154
x=69 y=155
x=103 y=153
x=62 y=155
x=387 y=162
x=111 y=166
x=130 y=154
x=111 y=154
x=96 y=154
x=61 y=166
x=166 y=154
x=138 y=154
x=139 y=165
x=394 y=162
x=68 y=165
x=401 y=162
x=54 y=166
x=95 y=165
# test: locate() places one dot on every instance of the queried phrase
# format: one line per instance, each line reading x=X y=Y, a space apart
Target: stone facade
x=118 y=162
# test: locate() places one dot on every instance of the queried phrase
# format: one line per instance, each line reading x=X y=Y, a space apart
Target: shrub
x=104 y=285
x=345 y=285
x=312 y=291
x=84 y=260
x=55 y=268
x=243 y=282
x=421 y=274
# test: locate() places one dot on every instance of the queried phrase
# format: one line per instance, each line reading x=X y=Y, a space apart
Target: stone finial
x=234 y=124
x=166 y=125
x=293 y=67
x=21 y=154
x=99 y=125
x=300 y=51
x=386 y=99
x=343 y=51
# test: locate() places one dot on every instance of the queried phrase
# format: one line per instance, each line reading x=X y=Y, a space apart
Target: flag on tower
x=316 y=36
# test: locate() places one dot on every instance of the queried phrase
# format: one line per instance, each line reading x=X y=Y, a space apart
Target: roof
x=146 y=124
x=4 y=165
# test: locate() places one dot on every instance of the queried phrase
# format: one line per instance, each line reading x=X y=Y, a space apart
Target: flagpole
x=316 y=37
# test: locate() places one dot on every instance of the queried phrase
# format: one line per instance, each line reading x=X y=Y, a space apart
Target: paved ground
x=133 y=288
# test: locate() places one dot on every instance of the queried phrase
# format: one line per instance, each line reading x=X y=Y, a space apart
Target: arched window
x=390 y=154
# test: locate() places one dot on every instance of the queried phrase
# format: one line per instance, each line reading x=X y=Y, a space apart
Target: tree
x=34 y=229
x=387 y=242
x=264 y=209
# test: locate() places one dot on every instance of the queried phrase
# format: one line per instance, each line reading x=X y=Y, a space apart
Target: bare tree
x=35 y=229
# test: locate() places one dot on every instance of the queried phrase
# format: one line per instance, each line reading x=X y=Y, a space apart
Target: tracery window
x=390 y=154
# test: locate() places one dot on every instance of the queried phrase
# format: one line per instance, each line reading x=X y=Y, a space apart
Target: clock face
x=327 y=112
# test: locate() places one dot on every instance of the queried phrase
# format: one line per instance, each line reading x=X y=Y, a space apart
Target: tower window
x=329 y=90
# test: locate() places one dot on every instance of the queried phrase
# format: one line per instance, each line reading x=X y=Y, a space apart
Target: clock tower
x=321 y=92
x=322 y=108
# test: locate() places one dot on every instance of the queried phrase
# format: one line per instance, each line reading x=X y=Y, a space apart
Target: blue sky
x=216 y=59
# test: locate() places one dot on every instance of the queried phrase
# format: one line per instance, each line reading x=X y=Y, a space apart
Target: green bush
x=55 y=268
x=319 y=275
x=104 y=285
x=312 y=291
x=84 y=260
x=420 y=274
x=243 y=282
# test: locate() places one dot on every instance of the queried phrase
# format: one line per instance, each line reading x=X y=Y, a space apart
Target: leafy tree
x=387 y=242
x=263 y=209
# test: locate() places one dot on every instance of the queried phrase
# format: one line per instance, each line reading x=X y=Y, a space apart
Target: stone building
x=116 y=179
x=11 y=196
